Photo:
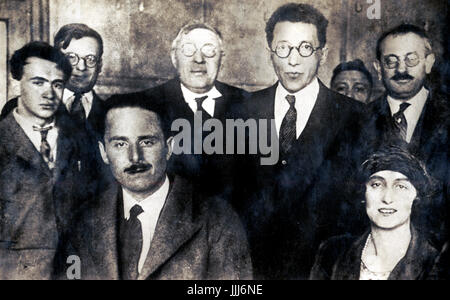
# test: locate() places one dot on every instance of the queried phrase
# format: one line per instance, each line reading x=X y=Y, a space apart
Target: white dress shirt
x=86 y=100
x=305 y=99
x=152 y=207
x=208 y=104
x=413 y=112
x=35 y=136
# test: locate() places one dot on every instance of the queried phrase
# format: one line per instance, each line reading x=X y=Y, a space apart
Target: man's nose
x=135 y=153
x=294 y=58
x=49 y=92
x=81 y=65
x=401 y=68
x=198 y=57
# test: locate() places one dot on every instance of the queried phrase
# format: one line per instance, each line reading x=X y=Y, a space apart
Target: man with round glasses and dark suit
x=291 y=206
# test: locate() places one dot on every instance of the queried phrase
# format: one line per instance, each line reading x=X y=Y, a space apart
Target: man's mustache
x=137 y=168
x=402 y=76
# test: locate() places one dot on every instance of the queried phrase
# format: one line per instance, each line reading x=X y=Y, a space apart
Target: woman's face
x=389 y=198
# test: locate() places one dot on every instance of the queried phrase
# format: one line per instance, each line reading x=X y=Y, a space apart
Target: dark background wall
x=138 y=34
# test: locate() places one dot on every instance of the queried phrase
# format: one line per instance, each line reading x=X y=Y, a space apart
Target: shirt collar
x=154 y=202
x=68 y=94
x=188 y=95
x=26 y=124
x=308 y=92
x=416 y=103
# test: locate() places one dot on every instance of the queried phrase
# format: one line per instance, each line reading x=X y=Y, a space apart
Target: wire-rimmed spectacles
x=89 y=60
x=208 y=50
x=283 y=49
x=392 y=61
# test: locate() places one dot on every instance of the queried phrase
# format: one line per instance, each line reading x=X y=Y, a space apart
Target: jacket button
x=284 y=162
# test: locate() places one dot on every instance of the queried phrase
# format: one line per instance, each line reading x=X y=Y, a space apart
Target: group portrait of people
x=94 y=188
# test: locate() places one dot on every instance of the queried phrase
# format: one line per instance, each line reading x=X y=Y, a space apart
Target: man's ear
x=99 y=65
x=103 y=153
x=169 y=143
x=429 y=62
x=324 y=56
x=377 y=67
x=173 y=57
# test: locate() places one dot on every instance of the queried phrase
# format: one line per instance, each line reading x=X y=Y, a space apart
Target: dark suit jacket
x=213 y=172
x=339 y=258
x=194 y=239
x=430 y=143
x=289 y=208
x=35 y=202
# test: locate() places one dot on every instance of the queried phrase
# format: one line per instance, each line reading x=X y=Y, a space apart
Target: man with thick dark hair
x=292 y=205
x=149 y=224
x=39 y=165
x=353 y=80
x=412 y=113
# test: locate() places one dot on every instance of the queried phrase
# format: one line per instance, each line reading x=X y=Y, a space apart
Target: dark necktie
x=288 y=129
x=131 y=244
x=199 y=102
x=77 y=109
x=400 y=122
x=45 y=148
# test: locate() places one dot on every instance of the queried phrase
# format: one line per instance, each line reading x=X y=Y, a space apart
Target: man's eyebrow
x=148 y=137
x=39 y=78
x=117 y=138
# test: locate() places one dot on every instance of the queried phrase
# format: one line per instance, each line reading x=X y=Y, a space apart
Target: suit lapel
x=17 y=143
x=104 y=221
x=174 y=228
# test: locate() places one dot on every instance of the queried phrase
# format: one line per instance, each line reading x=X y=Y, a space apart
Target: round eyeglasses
x=89 y=60
x=283 y=49
x=208 y=50
x=392 y=61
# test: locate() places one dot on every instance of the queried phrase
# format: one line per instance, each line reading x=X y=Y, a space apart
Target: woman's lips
x=387 y=211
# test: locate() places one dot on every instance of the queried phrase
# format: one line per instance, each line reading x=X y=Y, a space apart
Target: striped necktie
x=400 y=123
x=288 y=129
x=45 y=148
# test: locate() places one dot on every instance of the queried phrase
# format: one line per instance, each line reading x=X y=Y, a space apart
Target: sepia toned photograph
x=225 y=140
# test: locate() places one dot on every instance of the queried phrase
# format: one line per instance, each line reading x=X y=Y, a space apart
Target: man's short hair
x=137 y=100
x=298 y=12
x=354 y=65
x=402 y=30
x=76 y=31
x=40 y=50
x=196 y=25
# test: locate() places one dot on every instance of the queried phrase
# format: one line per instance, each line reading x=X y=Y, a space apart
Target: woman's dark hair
x=396 y=158
x=40 y=50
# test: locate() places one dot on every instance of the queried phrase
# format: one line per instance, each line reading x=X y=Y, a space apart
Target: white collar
x=416 y=102
x=213 y=93
x=306 y=99
x=308 y=92
x=86 y=100
x=208 y=104
x=26 y=124
x=154 y=202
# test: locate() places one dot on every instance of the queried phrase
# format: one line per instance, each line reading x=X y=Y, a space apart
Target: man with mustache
x=39 y=165
x=411 y=113
x=149 y=224
x=291 y=206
